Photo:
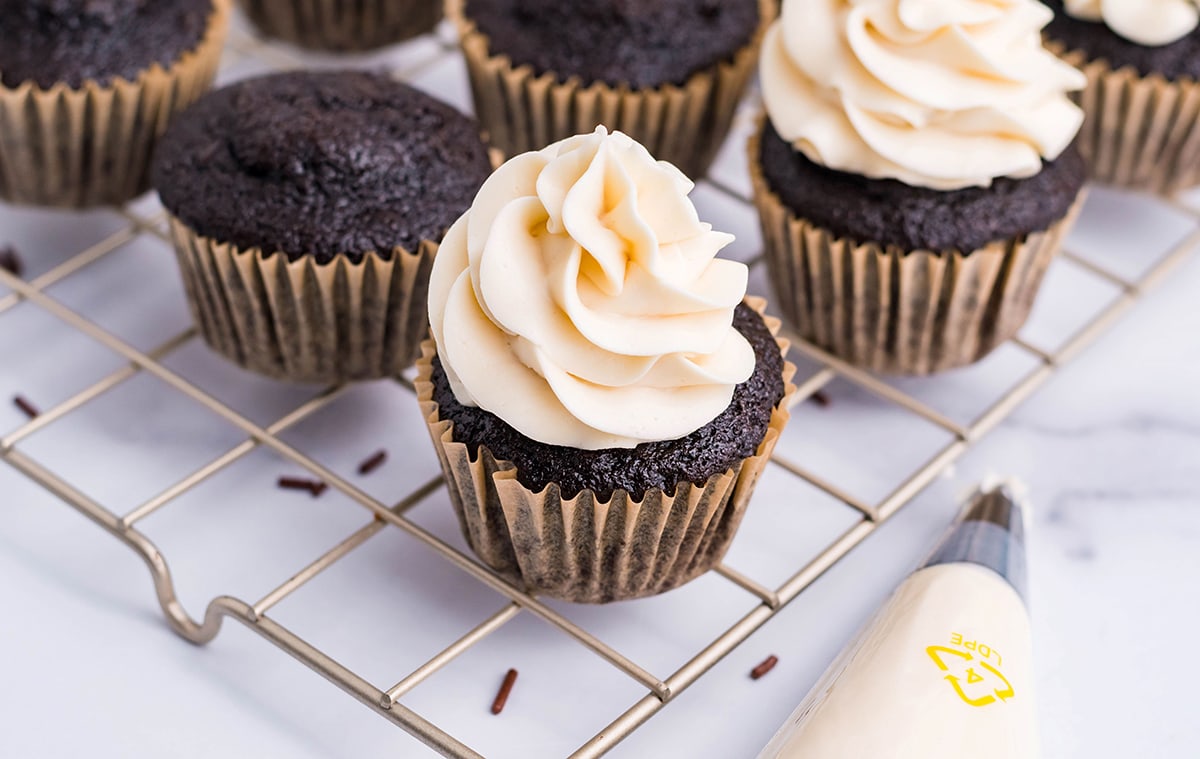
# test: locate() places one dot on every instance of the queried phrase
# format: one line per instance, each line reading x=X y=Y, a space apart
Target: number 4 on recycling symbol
x=937 y=653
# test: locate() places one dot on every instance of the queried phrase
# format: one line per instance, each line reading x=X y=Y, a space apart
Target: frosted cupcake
x=914 y=174
x=601 y=398
x=1142 y=61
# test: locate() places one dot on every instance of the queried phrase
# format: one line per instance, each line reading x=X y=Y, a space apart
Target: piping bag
x=944 y=668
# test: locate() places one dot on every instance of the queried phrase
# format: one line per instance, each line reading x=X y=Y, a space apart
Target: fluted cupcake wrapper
x=344 y=25
x=685 y=125
x=88 y=146
x=306 y=321
x=585 y=549
x=1140 y=132
x=896 y=311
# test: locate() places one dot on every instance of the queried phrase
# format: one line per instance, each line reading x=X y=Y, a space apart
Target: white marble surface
x=1110 y=448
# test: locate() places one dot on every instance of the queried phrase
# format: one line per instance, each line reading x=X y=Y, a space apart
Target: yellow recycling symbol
x=972 y=677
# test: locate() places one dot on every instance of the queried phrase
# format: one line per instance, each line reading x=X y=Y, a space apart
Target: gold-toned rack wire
x=389 y=701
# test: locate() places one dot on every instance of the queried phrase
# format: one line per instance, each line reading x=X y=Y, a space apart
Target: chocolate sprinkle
x=23 y=403
x=314 y=487
x=374 y=462
x=767 y=665
x=11 y=262
x=505 y=688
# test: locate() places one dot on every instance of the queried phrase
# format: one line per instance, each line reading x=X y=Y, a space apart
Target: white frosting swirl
x=942 y=94
x=1146 y=22
x=580 y=301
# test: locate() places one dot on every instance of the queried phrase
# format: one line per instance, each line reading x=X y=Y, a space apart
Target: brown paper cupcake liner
x=344 y=25
x=305 y=321
x=1140 y=132
x=585 y=549
x=686 y=125
x=896 y=311
x=90 y=146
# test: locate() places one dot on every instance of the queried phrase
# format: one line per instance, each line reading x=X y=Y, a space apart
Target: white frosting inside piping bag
x=580 y=300
x=942 y=94
x=944 y=669
x=1146 y=22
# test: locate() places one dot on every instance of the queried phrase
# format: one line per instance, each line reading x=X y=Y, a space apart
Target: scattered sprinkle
x=10 y=261
x=821 y=398
x=314 y=487
x=505 y=688
x=374 y=462
x=23 y=403
x=762 y=669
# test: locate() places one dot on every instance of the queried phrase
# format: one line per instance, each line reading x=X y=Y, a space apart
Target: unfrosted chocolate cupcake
x=601 y=399
x=670 y=73
x=306 y=209
x=344 y=25
x=1142 y=101
x=88 y=86
x=910 y=203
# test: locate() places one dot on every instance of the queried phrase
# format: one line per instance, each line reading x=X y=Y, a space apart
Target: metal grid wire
x=388 y=701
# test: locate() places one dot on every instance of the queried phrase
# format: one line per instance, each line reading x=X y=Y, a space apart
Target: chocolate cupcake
x=306 y=209
x=669 y=73
x=1142 y=100
x=914 y=175
x=601 y=400
x=344 y=25
x=87 y=87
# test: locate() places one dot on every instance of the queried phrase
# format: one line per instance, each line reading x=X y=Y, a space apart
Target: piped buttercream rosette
x=943 y=94
x=581 y=301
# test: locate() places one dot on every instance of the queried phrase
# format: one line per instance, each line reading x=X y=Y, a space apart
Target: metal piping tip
x=990 y=531
x=1003 y=503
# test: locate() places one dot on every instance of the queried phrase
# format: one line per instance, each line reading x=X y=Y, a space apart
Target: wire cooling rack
x=1088 y=288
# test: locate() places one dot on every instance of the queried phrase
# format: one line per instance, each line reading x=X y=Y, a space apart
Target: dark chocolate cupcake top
x=639 y=43
x=917 y=218
x=1177 y=58
x=728 y=439
x=73 y=41
x=319 y=164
